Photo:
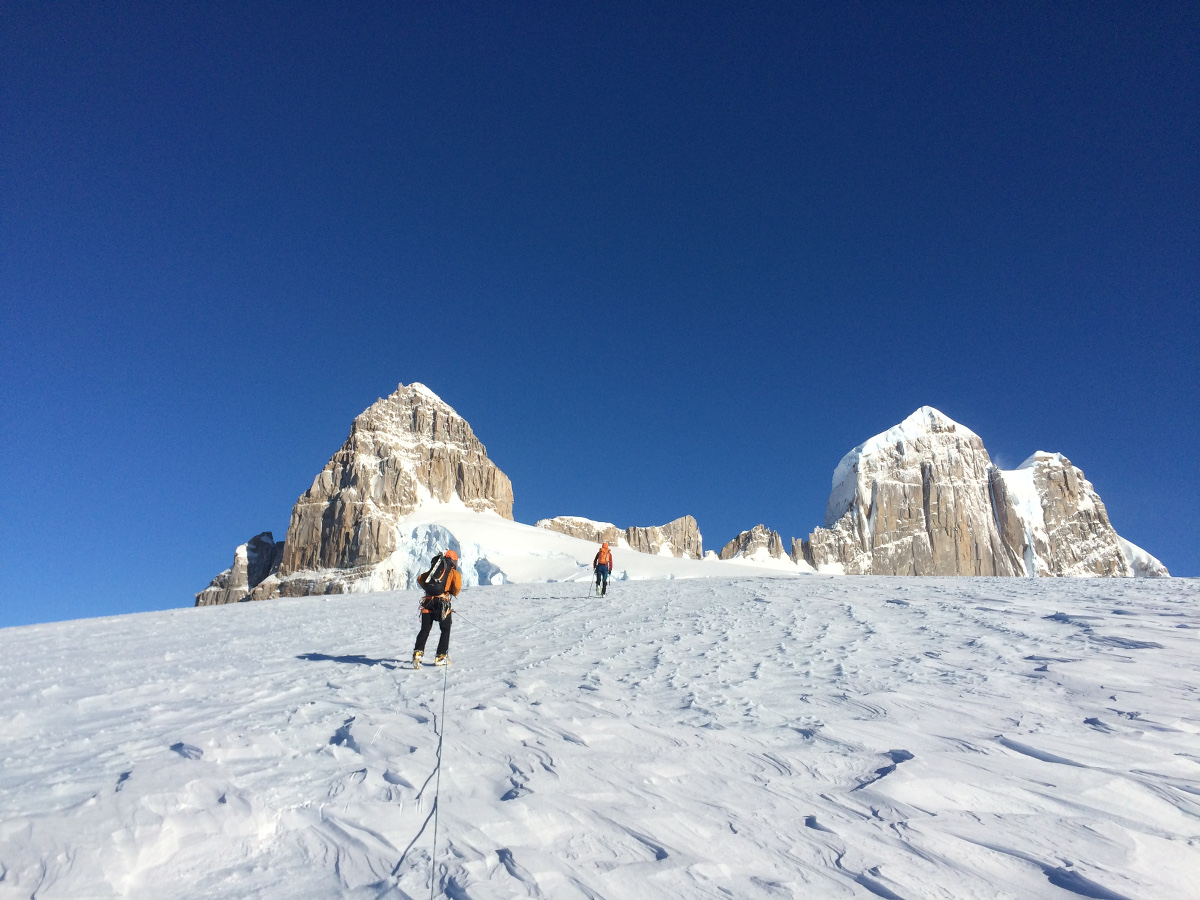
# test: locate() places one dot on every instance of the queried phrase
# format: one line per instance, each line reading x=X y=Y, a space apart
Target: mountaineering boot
x=441 y=660
x=604 y=590
x=417 y=659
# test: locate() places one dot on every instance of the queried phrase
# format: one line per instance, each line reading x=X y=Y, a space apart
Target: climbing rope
x=437 y=800
x=437 y=790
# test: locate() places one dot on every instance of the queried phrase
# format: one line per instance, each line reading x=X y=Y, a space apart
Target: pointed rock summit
x=404 y=450
x=924 y=498
x=1054 y=522
x=912 y=501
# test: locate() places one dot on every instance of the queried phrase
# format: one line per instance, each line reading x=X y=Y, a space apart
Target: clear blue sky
x=665 y=258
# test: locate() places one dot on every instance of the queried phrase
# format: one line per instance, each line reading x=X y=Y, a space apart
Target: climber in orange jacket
x=602 y=566
x=442 y=583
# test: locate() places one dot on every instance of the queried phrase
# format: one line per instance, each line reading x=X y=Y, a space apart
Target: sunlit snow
x=740 y=737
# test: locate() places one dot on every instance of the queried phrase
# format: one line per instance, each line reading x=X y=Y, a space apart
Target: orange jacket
x=453 y=581
x=603 y=558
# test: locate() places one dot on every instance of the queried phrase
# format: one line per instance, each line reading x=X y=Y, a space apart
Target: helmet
x=450 y=554
x=605 y=545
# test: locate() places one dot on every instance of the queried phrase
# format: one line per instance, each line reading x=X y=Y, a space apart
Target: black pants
x=427 y=620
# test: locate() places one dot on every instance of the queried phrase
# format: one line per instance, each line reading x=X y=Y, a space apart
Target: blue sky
x=665 y=259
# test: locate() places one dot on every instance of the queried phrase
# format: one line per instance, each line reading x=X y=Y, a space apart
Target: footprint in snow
x=187 y=751
x=397 y=779
x=351 y=780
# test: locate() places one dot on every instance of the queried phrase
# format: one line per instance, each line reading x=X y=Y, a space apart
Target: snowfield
x=743 y=737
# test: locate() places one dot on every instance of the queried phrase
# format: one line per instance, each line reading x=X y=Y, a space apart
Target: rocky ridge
x=254 y=566
x=680 y=537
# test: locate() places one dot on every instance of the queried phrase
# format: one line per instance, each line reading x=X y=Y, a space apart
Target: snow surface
x=714 y=737
x=495 y=550
x=762 y=558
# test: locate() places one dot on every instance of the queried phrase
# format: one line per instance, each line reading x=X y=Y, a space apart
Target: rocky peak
x=403 y=450
x=1054 y=521
x=923 y=498
x=913 y=500
x=254 y=562
x=748 y=543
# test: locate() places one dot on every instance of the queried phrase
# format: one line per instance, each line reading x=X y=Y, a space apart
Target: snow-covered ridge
x=1142 y=563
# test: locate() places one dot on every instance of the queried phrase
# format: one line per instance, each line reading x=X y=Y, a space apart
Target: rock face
x=679 y=538
x=914 y=500
x=254 y=563
x=924 y=498
x=585 y=529
x=403 y=449
x=1054 y=521
x=750 y=542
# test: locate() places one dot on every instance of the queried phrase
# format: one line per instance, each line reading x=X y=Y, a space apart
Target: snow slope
x=713 y=737
x=495 y=550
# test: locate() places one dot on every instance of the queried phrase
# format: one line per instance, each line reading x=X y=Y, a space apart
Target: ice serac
x=914 y=500
x=404 y=449
x=680 y=538
x=748 y=543
x=254 y=564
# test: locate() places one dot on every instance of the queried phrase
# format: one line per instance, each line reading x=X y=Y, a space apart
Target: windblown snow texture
x=755 y=737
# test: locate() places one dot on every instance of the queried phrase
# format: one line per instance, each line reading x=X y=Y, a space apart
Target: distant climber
x=442 y=582
x=602 y=566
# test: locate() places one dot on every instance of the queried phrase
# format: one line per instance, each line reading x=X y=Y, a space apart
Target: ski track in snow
x=762 y=737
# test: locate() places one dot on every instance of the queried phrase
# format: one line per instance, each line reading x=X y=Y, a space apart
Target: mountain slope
x=753 y=737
